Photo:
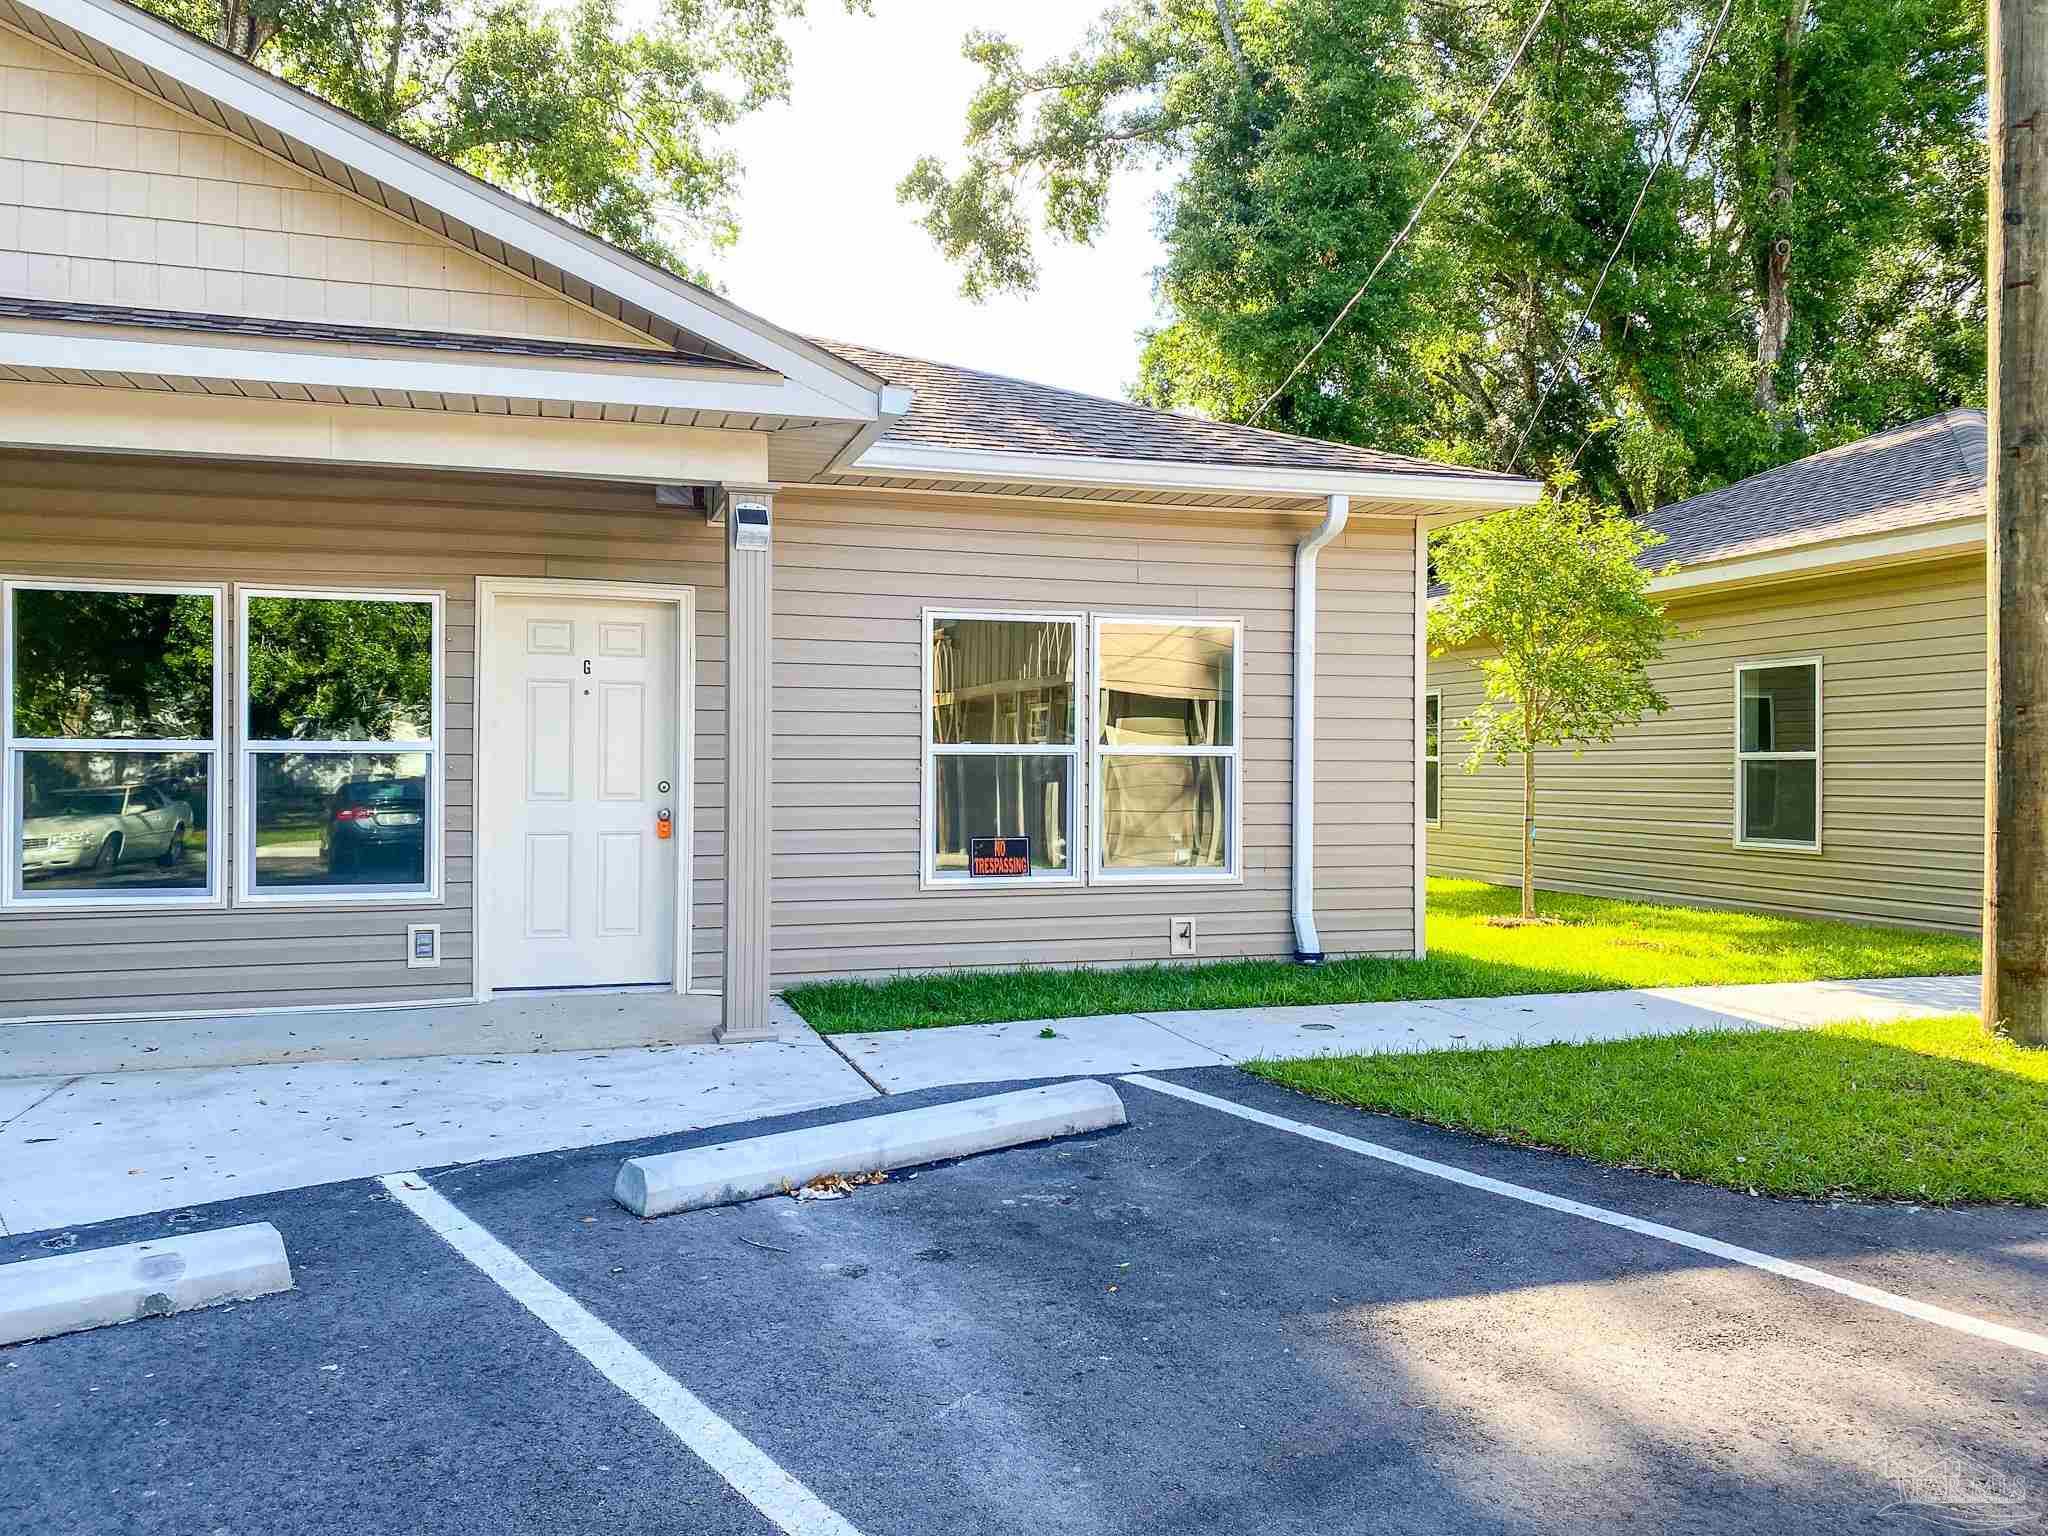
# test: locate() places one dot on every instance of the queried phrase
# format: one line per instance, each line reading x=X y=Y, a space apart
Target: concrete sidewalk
x=899 y=1061
x=82 y=1147
x=88 y=1148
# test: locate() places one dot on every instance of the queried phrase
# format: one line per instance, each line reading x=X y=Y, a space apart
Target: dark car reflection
x=375 y=830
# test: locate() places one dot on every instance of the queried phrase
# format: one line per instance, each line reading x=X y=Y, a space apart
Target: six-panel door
x=579 y=759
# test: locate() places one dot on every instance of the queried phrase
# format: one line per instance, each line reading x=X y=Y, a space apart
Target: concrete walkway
x=83 y=1147
x=900 y=1061
x=88 y=1148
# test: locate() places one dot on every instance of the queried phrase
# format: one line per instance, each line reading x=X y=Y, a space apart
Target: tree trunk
x=1774 y=259
x=2016 y=830
x=1231 y=45
x=1529 y=834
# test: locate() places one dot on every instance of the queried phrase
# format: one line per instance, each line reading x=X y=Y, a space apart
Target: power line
x=1413 y=219
x=1642 y=192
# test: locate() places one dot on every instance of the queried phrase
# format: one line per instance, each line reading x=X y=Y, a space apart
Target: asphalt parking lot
x=1190 y=1324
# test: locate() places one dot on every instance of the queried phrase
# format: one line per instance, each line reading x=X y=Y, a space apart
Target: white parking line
x=753 y=1474
x=1961 y=1322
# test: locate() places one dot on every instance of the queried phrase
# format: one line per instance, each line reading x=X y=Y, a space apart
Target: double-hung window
x=1432 y=758
x=110 y=723
x=1777 y=754
x=1166 y=748
x=341 y=753
x=1002 y=745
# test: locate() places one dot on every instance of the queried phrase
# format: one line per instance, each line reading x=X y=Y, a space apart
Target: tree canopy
x=1808 y=266
x=612 y=123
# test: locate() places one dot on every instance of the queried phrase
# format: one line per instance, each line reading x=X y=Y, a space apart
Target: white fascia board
x=1935 y=541
x=664 y=387
x=886 y=458
x=249 y=91
x=896 y=403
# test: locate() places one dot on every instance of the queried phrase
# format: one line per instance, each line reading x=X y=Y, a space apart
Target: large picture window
x=1777 y=754
x=341 y=755
x=1166 y=748
x=1002 y=747
x=111 y=732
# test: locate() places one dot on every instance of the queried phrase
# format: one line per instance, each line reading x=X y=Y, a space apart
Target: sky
x=826 y=250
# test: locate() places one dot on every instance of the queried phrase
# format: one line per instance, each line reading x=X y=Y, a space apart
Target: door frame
x=684 y=601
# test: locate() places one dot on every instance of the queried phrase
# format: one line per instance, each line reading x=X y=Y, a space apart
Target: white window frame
x=929 y=877
x=14 y=892
x=1233 y=874
x=1779 y=845
x=1433 y=759
x=246 y=753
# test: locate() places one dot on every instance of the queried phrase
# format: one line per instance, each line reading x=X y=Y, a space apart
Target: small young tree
x=1558 y=593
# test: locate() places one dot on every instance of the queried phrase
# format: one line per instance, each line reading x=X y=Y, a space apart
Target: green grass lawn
x=1933 y=1110
x=1596 y=945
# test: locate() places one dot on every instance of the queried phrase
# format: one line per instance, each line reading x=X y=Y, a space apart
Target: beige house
x=409 y=601
x=1824 y=750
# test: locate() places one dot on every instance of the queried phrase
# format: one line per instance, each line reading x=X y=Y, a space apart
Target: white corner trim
x=1422 y=694
x=1957 y=536
x=360 y=148
x=1308 y=943
x=887 y=458
x=662 y=387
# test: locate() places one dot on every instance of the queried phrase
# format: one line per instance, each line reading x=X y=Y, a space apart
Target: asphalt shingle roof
x=1926 y=472
x=965 y=408
x=368 y=335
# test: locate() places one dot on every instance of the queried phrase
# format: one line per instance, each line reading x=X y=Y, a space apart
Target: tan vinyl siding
x=110 y=519
x=107 y=196
x=1902 y=800
x=852 y=578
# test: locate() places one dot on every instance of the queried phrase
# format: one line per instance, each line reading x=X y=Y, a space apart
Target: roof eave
x=1447 y=490
x=1948 y=538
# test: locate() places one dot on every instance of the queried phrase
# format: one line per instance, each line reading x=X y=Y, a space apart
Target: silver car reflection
x=102 y=829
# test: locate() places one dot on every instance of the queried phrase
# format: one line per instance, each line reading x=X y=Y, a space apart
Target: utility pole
x=2016 y=755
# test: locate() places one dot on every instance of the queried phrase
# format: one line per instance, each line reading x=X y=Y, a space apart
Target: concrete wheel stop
x=735 y=1171
x=70 y=1292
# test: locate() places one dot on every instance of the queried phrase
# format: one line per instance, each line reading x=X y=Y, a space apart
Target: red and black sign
x=1003 y=856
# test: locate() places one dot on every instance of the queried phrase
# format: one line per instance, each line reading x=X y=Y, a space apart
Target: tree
x=1558 y=592
x=610 y=123
x=1807 y=268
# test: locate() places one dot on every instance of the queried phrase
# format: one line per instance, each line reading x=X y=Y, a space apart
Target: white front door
x=578 y=759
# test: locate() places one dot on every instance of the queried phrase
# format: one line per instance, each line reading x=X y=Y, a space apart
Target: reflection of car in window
x=376 y=829
x=101 y=829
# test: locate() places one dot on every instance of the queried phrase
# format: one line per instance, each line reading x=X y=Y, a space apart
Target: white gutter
x=1308 y=944
x=923 y=461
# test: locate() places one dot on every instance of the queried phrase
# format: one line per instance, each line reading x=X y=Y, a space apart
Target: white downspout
x=1308 y=945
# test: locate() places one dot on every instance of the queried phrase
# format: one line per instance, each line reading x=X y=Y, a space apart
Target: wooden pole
x=2016 y=754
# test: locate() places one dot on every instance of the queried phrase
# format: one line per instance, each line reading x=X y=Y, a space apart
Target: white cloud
x=825 y=248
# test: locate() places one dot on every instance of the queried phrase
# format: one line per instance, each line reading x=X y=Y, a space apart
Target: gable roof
x=834 y=412
x=954 y=407
x=1929 y=471
x=193 y=76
